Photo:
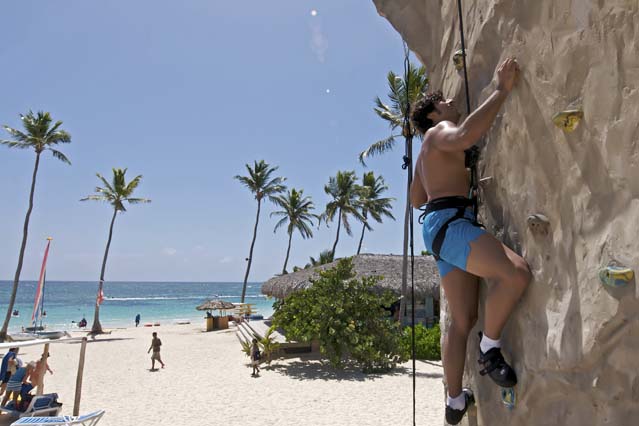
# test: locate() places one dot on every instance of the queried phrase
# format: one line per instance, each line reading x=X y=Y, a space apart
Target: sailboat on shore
x=38 y=331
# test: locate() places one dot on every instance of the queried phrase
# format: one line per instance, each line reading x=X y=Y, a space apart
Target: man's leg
x=491 y=259
x=461 y=291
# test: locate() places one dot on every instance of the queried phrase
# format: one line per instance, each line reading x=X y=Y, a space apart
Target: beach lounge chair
x=40 y=405
x=90 y=419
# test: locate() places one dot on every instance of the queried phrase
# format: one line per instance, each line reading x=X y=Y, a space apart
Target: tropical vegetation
x=346 y=317
x=296 y=211
x=427 y=342
x=263 y=185
x=344 y=191
x=372 y=203
x=40 y=134
x=116 y=193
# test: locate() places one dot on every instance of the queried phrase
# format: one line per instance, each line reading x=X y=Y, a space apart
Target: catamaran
x=36 y=331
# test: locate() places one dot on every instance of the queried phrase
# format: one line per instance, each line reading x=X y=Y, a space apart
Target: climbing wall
x=573 y=340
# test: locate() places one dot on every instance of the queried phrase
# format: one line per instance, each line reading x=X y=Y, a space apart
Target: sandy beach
x=207 y=381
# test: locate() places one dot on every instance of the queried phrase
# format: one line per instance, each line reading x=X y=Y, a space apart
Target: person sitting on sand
x=82 y=323
x=155 y=345
x=5 y=373
x=255 y=358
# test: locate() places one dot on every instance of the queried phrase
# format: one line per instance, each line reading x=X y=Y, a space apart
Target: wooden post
x=42 y=370
x=78 y=380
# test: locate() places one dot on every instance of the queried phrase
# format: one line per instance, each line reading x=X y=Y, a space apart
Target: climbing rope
x=472 y=154
x=408 y=166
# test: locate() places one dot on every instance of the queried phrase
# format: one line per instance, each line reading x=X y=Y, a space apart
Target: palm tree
x=400 y=95
x=325 y=256
x=297 y=212
x=114 y=193
x=371 y=202
x=39 y=135
x=261 y=184
x=344 y=190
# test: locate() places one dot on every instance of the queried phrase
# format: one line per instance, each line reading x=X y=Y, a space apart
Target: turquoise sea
x=66 y=302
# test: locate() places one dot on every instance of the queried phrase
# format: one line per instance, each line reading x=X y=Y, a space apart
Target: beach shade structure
x=45 y=354
x=386 y=266
x=220 y=322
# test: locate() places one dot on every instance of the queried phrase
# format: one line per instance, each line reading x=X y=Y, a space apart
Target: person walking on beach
x=137 y=320
x=255 y=358
x=5 y=371
x=465 y=251
x=155 y=345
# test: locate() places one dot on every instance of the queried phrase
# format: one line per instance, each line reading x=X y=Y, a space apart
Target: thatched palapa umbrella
x=216 y=305
x=387 y=266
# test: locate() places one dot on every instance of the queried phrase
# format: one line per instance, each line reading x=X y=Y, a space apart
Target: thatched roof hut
x=388 y=266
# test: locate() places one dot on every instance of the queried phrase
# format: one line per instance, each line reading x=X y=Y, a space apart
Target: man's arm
x=418 y=196
x=446 y=136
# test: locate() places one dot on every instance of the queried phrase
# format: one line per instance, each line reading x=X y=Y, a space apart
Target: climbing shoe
x=495 y=366
x=453 y=416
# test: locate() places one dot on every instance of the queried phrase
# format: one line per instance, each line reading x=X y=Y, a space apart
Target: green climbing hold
x=508 y=397
x=567 y=120
x=458 y=60
x=616 y=276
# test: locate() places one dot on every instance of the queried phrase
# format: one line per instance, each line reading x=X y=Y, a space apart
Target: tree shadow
x=314 y=369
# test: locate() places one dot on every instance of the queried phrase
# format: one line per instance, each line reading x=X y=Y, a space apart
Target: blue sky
x=185 y=93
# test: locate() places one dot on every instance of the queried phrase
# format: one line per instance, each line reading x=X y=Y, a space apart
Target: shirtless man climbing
x=465 y=251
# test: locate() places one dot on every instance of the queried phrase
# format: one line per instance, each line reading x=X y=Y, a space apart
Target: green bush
x=347 y=318
x=427 y=342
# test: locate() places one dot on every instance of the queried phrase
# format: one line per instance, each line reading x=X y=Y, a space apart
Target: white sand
x=207 y=381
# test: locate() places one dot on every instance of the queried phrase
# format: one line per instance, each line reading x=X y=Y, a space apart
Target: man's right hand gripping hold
x=464 y=250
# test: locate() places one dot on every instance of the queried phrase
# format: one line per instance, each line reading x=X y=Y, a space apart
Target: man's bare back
x=441 y=174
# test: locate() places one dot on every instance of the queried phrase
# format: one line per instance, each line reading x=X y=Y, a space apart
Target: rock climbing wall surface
x=568 y=201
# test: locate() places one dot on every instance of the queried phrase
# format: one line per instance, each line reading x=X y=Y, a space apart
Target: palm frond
x=60 y=156
x=378 y=148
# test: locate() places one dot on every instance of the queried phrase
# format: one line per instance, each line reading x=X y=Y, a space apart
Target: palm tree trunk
x=96 y=328
x=288 y=250
x=23 y=246
x=339 y=224
x=361 y=239
x=250 y=258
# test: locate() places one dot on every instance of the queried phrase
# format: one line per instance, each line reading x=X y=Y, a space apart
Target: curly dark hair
x=424 y=106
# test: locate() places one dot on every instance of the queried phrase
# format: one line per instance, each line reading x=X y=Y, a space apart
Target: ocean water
x=66 y=302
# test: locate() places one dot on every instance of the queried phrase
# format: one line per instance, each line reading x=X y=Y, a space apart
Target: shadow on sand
x=315 y=369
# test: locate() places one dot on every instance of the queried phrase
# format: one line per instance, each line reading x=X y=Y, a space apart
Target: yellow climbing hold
x=567 y=120
x=458 y=60
x=616 y=276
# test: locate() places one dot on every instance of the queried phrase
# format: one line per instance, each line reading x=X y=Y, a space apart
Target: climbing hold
x=616 y=276
x=567 y=120
x=508 y=397
x=458 y=60
x=538 y=224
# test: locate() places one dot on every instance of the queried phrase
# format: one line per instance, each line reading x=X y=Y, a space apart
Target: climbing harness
x=459 y=203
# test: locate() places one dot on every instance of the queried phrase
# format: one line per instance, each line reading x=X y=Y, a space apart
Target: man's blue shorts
x=460 y=233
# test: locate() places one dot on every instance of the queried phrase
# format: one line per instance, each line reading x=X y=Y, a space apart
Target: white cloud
x=226 y=259
x=169 y=251
x=319 y=42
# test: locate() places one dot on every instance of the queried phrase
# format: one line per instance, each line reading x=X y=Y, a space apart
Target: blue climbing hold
x=508 y=397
